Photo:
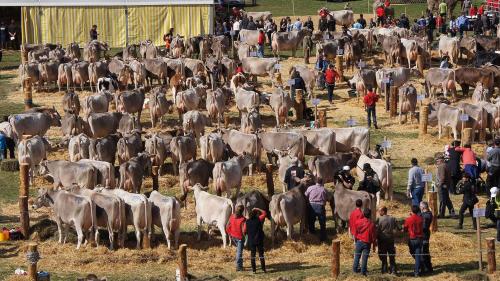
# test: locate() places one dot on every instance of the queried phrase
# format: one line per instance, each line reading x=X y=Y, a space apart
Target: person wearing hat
x=443 y=182
x=345 y=178
x=468 y=201
x=316 y=195
x=294 y=174
x=491 y=205
x=493 y=158
x=370 y=182
x=415 y=189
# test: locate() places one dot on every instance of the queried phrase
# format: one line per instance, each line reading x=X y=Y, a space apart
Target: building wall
x=72 y=24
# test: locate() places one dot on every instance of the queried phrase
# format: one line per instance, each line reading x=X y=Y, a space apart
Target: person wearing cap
x=365 y=236
x=468 y=201
x=370 y=182
x=426 y=214
x=414 y=226
x=316 y=195
x=345 y=178
x=492 y=205
x=415 y=189
x=443 y=182
x=355 y=216
x=293 y=174
x=386 y=228
x=468 y=160
x=331 y=75
x=493 y=158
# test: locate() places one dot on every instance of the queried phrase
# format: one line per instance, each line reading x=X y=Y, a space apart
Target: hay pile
x=9 y=165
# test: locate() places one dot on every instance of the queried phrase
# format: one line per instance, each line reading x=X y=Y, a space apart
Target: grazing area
x=138 y=148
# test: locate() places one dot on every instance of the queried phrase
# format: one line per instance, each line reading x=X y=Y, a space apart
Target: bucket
x=2 y=237
x=6 y=234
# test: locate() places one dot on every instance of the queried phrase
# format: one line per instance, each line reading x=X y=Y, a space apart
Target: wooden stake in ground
x=322 y=118
x=335 y=259
x=32 y=256
x=424 y=120
x=433 y=203
x=478 y=234
x=28 y=94
x=492 y=263
x=339 y=65
x=393 y=101
x=23 y=199
x=182 y=261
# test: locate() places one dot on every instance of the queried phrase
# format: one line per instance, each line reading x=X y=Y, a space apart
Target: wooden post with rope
x=433 y=204
x=182 y=262
x=393 y=105
x=339 y=65
x=32 y=256
x=23 y=199
x=335 y=259
x=424 y=120
x=492 y=263
x=155 y=172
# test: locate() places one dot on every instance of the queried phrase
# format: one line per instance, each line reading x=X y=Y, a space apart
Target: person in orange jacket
x=468 y=160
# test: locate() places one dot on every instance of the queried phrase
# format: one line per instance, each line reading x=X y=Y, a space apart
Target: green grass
x=10 y=60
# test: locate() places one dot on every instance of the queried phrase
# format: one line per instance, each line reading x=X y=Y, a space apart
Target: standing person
x=260 y=43
x=453 y=26
x=283 y=25
x=294 y=174
x=370 y=182
x=362 y=21
x=93 y=33
x=316 y=194
x=415 y=189
x=236 y=28
x=3 y=146
x=255 y=234
x=431 y=25
x=236 y=230
x=268 y=27
x=330 y=77
x=439 y=23
x=331 y=23
x=462 y=23
x=355 y=216
x=443 y=182
x=167 y=38
x=454 y=165
x=244 y=22
x=466 y=4
x=386 y=228
x=323 y=24
x=380 y=15
x=443 y=9
x=495 y=197
x=299 y=84
x=468 y=160
x=493 y=157
x=289 y=24
x=365 y=236
x=309 y=24
x=414 y=226
x=426 y=215
x=12 y=31
x=251 y=24
x=473 y=11
x=370 y=101
x=345 y=178
x=3 y=35
x=468 y=201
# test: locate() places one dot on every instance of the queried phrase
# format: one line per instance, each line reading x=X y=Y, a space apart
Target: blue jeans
x=416 y=196
x=318 y=211
x=239 y=252
x=361 y=250
x=260 y=51
x=415 y=246
x=371 y=114
x=471 y=170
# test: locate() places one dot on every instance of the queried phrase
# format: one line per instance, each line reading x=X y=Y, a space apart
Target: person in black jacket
x=323 y=24
x=298 y=84
x=431 y=25
x=454 y=165
x=426 y=215
x=468 y=202
x=255 y=237
x=331 y=23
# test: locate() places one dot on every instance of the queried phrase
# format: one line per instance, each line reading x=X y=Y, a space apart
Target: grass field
x=453 y=251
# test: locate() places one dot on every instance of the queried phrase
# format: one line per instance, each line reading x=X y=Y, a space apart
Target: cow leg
x=378 y=197
x=79 y=233
x=222 y=230
x=176 y=237
x=97 y=239
x=167 y=234
x=198 y=224
x=60 y=230
x=440 y=129
x=138 y=237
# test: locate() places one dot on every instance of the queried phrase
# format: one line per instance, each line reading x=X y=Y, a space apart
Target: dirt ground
x=454 y=254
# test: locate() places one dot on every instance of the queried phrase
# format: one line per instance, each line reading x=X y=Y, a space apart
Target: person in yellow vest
x=495 y=199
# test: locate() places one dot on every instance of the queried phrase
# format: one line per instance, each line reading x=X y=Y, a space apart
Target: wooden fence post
x=492 y=263
x=433 y=202
x=226 y=121
x=420 y=64
x=183 y=264
x=335 y=259
x=269 y=180
x=32 y=256
x=393 y=101
x=424 y=120
x=28 y=94
x=155 y=171
x=478 y=234
x=24 y=183
x=322 y=118
x=339 y=65
x=299 y=108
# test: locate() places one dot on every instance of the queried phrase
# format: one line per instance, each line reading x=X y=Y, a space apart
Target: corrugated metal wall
x=72 y=24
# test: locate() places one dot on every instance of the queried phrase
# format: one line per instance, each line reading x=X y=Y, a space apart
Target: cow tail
x=174 y=222
x=147 y=211
x=93 y=216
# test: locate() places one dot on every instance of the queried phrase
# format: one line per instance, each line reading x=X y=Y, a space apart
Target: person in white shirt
x=236 y=27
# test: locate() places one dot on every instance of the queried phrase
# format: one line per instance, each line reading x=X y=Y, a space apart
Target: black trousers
x=10 y=145
x=461 y=213
x=493 y=178
x=454 y=181
x=426 y=257
x=253 y=250
x=444 y=201
x=386 y=250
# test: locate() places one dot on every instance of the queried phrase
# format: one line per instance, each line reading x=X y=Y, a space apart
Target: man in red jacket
x=370 y=101
x=236 y=230
x=260 y=42
x=365 y=235
x=414 y=225
x=330 y=77
x=355 y=215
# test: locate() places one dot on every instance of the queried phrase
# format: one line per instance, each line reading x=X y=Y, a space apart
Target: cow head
x=43 y=199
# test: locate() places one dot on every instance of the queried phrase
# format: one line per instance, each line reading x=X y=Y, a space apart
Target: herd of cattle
x=107 y=125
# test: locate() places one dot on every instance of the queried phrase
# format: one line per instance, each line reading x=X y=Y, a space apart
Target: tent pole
x=126 y=26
